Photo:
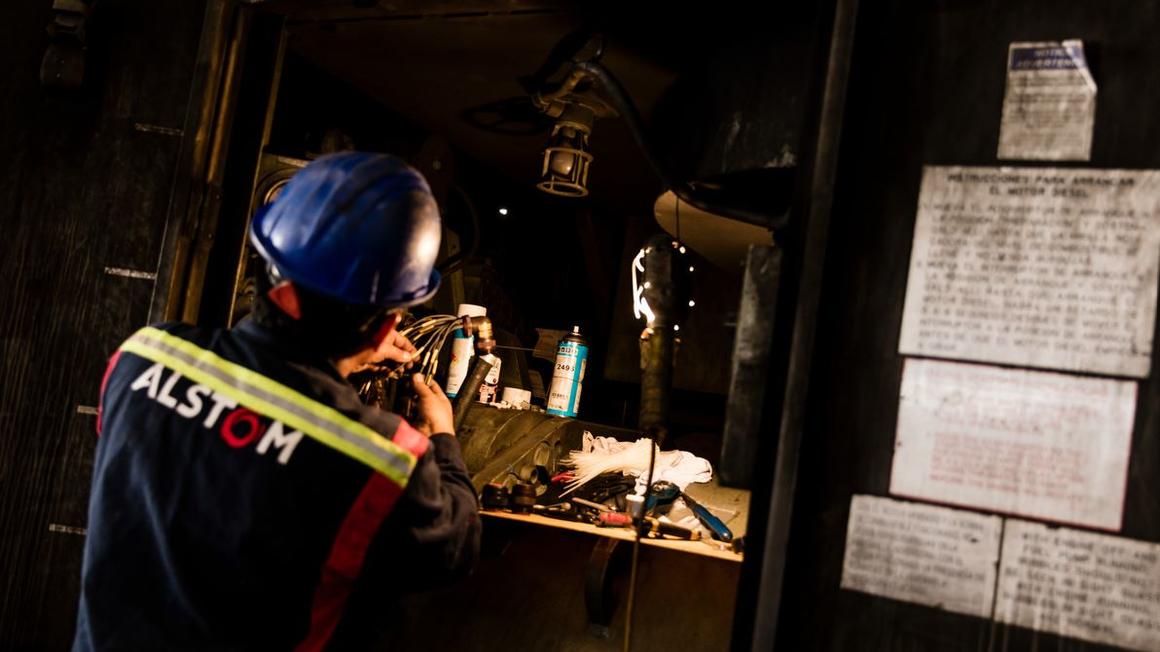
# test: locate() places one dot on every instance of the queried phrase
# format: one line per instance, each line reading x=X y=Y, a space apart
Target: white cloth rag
x=681 y=468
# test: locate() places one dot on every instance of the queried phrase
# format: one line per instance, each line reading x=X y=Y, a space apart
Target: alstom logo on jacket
x=238 y=426
x=221 y=388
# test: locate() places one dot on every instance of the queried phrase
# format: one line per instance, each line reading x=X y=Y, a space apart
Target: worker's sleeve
x=431 y=538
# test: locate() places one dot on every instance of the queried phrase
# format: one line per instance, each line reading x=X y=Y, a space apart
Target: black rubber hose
x=469 y=390
x=682 y=189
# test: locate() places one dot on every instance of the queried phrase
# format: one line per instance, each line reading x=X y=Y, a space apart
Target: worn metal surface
x=822 y=179
x=751 y=356
x=501 y=445
x=83 y=196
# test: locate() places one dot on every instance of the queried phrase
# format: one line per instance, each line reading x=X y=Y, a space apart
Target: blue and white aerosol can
x=462 y=350
x=568 y=375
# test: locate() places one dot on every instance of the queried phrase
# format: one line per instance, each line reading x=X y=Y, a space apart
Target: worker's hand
x=395 y=348
x=434 y=409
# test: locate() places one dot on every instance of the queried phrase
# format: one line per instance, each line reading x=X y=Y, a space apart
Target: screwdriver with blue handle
x=664 y=493
x=716 y=526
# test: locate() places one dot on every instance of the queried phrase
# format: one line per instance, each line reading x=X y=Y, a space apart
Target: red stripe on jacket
x=104 y=382
x=347 y=555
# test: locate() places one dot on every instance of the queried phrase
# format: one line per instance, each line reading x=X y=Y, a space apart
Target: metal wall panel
x=927 y=88
x=84 y=189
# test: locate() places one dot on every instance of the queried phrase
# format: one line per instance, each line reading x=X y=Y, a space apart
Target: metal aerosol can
x=568 y=375
x=462 y=349
x=489 y=389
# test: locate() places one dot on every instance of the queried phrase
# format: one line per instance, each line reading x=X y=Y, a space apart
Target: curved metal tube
x=682 y=189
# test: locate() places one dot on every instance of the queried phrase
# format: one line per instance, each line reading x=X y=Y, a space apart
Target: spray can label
x=567 y=378
x=489 y=389
x=462 y=348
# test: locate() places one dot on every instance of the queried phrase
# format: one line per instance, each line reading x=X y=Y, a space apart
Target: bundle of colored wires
x=428 y=334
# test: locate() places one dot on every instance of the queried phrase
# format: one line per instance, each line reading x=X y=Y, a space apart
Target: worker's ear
x=388 y=326
x=285 y=297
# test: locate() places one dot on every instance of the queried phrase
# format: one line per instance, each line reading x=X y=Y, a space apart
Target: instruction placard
x=1038 y=267
x=1032 y=443
x=1093 y=587
x=1049 y=107
x=928 y=555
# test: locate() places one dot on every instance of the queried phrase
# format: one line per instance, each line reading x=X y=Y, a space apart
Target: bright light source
x=640 y=306
x=682 y=250
x=676 y=327
x=503 y=211
x=692 y=303
x=690 y=268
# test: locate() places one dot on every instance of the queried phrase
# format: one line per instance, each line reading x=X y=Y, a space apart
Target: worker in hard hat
x=243 y=497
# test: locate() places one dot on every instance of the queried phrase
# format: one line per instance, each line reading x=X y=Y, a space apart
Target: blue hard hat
x=357 y=227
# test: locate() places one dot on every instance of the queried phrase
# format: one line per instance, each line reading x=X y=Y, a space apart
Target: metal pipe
x=656 y=381
x=190 y=178
x=209 y=212
x=545 y=101
x=255 y=201
x=656 y=374
x=682 y=189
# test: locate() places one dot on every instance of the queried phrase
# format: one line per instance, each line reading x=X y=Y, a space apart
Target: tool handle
x=720 y=531
x=614 y=519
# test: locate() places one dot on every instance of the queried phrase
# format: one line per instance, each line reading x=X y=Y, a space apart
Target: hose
x=470 y=389
x=652 y=461
x=682 y=189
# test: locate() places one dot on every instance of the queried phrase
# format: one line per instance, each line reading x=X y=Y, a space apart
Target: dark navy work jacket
x=244 y=498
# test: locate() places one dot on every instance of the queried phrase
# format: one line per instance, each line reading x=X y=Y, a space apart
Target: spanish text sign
x=924 y=554
x=1045 y=445
x=1090 y=586
x=1039 y=267
x=1049 y=107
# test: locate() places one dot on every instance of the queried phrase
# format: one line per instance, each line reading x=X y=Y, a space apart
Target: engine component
x=508 y=446
x=495 y=496
x=523 y=498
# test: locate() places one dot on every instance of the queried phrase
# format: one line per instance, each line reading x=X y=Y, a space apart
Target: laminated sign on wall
x=924 y=554
x=1090 y=586
x=1038 y=267
x=1050 y=104
x=1045 y=445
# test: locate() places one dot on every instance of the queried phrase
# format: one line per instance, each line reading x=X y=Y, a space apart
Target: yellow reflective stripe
x=284 y=404
x=320 y=422
x=250 y=377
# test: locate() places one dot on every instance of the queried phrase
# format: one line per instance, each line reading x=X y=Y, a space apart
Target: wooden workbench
x=709 y=494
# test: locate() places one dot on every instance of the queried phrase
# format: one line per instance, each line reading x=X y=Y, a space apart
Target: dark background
x=88 y=182
x=82 y=188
